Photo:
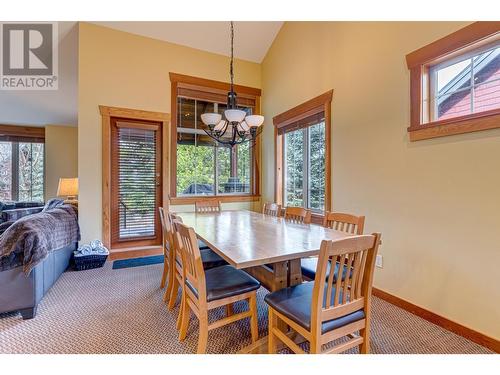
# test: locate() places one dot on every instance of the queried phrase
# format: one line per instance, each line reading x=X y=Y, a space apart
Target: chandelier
x=236 y=127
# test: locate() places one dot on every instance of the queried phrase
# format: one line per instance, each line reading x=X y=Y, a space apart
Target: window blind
x=303 y=123
x=136 y=159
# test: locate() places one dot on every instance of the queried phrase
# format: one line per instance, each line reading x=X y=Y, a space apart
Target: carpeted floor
x=121 y=311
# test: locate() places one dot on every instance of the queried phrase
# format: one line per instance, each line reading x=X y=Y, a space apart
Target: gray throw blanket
x=29 y=240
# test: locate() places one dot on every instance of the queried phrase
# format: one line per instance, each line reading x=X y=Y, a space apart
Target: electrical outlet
x=379 y=261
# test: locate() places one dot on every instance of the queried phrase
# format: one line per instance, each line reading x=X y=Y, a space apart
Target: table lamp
x=68 y=187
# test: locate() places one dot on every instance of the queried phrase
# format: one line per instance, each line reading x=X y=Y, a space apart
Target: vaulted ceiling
x=252 y=39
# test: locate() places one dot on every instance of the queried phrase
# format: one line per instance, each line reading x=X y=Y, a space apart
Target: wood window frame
x=16 y=133
x=106 y=114
x=321 y=103
x=22 y=134
x=211 y=89
x=468 y=38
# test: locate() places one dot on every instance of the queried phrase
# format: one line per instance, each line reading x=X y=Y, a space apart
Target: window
x=22 y=164
x=467 y=84
x=202 y=166
x=455 y=83
x=303 y=156
x=304 y=166
x=205 y=167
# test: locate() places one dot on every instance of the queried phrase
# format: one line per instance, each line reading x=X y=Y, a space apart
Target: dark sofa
x=22 y=293
x=11 y=211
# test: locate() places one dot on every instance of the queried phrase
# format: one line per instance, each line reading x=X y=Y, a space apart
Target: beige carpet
x=121 y=311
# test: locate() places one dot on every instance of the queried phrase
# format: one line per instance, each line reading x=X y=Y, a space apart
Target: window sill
x=458 y=125
x=222 y=198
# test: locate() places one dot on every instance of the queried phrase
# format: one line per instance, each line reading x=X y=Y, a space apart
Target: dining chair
x=207 y=205
x=322 y=312
x=271 y=209
x=165 y=243
x=204 y=290
x=298 y=215
x=339 y=221
x=209 y=258
x=344 y=222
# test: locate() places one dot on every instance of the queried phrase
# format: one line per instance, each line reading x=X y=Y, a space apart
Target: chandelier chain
x=236 y=122
x=231 y=63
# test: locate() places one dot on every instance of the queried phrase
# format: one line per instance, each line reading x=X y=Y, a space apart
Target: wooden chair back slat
x=298 y=215
x=167 y=234
x=344 y=222
x=164 y=230
x=207 y=205
x=363 y=277
x=192 y=264
x=271 y=209
x=352 y=284
x=171 y=218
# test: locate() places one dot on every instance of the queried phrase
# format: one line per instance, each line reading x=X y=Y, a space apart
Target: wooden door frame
x=134 y=114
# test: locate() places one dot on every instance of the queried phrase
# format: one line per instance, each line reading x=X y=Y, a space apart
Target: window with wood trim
x=22 y=163
x=303 y=155
x=455 y=83
x=200 y=166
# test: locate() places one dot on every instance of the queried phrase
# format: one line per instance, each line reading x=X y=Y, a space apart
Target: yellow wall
x=125 y=70
x=61 y=156
x=436 y=202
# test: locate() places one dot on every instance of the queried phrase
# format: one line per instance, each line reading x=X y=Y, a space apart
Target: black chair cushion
x=226 y=281
x=295 y=303
x=309 y=265
x=211 y=259
x=202 y=245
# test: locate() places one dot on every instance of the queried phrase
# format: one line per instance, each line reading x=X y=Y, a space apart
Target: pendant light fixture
x=235 y=126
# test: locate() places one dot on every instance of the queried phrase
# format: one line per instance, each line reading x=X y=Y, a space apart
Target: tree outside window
x=21 y=171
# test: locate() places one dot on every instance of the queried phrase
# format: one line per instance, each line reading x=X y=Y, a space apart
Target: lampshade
x=220 y=125
x=254 y=120
x=243 y=127
x=234 y=115
x=67 y=187
x=211 y=118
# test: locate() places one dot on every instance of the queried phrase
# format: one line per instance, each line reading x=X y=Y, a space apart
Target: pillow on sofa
x=52 y=203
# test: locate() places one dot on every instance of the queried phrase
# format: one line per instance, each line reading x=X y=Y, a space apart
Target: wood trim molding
x=134 y=114
x=306 y=109
x=468 y=333
x=135 y=252
x=180 y=80
x=462 y=38
x=35 y=132
x=419 y=61
x=416 y=96
x=459 y=125
x=221 y=198
x=321 y=103
x=328 y=153
x=189 y=81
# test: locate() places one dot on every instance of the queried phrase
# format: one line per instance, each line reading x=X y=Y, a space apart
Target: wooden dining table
x=269 y=248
